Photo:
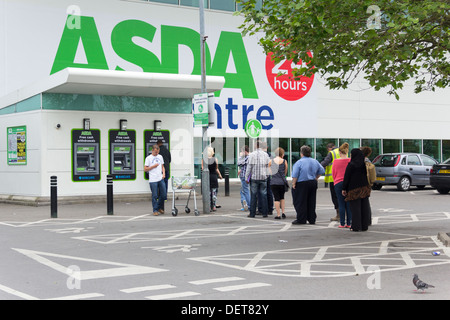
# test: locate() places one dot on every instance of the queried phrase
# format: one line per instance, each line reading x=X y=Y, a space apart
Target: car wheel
x=443 y=190
x=404 y=184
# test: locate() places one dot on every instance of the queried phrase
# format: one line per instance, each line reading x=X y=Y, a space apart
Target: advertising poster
x=17 y=145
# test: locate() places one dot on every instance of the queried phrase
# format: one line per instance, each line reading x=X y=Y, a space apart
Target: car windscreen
x=387 y=160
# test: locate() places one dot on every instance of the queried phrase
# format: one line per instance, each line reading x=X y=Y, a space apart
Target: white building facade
x=139 y=61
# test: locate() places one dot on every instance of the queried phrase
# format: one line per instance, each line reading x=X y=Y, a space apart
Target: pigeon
x=420 y=285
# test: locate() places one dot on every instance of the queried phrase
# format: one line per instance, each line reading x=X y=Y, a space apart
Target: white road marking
x=338 y=260
x=79 y=296
x=173 y=295
x=119 y=269
x=216 y=280
x=148 y=288
x=17 y=293
x=242 y=286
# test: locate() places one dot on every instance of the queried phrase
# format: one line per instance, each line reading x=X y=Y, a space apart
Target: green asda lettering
x=230 y=45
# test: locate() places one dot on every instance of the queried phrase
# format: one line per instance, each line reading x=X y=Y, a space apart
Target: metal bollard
x=53 y=197
x=227 y=182
x=109 y=195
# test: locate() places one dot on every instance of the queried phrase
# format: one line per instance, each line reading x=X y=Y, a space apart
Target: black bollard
x=227 y=182
x=109 y=195
x=53 y=197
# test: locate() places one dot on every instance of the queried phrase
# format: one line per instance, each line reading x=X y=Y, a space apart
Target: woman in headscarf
x=356 y=190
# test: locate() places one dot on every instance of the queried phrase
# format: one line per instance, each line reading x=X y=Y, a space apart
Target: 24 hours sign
x=17 y=145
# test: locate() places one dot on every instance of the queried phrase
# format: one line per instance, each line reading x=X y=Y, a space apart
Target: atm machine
x=122 y=159
x=86 y=161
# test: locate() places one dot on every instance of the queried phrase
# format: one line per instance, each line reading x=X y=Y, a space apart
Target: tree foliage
x=388 y=42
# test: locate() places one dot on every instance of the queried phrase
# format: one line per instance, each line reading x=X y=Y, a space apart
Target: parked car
x=403 y=170
x=440 y=177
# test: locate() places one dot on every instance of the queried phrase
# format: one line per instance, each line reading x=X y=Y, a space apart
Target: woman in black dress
x=356 y=190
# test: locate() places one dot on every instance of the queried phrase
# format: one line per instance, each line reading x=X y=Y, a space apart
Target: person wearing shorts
x=278 y=167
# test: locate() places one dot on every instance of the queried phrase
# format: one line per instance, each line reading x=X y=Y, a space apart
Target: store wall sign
x=200 y=103
x=253 y=128
x=230 y=46
x=281 y=79
x=17 y=145
x=253 y=88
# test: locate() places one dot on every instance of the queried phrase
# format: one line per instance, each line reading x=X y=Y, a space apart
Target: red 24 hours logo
x=284 y=85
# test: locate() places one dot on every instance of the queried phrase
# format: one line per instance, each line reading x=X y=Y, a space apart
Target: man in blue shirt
x=305 y=173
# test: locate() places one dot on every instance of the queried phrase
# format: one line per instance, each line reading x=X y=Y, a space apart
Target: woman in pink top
x=338 y=171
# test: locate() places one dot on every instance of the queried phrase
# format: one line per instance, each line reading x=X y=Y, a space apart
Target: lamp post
x=205 y=171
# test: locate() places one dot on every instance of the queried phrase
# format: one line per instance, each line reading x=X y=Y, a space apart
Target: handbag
x=286 y=185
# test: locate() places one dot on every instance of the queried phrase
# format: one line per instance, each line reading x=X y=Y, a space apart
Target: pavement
x=123 y=206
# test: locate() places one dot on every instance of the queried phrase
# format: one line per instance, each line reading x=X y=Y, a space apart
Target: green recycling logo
x=253 y=128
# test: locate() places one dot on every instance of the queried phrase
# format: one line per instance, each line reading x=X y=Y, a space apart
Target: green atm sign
x=230 y=46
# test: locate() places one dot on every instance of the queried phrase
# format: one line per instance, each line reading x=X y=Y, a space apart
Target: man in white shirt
x=154 y=165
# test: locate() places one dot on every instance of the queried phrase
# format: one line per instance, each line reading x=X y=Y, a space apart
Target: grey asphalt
x=225 y=255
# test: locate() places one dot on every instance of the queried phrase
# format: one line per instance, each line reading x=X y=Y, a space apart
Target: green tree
x=388 y=42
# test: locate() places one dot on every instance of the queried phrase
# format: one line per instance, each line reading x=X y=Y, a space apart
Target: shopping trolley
x=183 y=185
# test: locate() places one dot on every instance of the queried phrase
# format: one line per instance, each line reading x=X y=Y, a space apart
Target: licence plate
x=381 y=178
x=444 y=171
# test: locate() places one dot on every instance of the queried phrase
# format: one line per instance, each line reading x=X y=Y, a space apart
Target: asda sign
x=253 y=86
x=230 y=46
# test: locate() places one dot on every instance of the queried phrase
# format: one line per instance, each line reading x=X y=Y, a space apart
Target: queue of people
x=263 y=183
x=348 y=178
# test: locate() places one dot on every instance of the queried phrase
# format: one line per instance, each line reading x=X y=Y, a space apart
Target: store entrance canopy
x=117 y=83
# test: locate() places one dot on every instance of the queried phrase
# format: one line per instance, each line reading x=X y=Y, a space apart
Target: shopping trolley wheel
x=187 y=210
x=197 y=213
x=174 y=212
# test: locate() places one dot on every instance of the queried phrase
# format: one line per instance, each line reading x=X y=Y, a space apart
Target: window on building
x=352 y=143
x=392 y=145
x=225 y=5
x=445 y=149
x=297 y=143
x=166 y=1
x=432 y=148
x=193 y=3
x=257 y=6
x=198 y=157
x=321 y=147
x=375 y=144
x=412 y=145
x=274 y=143
x=225 y=152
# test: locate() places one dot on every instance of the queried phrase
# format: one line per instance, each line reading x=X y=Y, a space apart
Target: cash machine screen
x=86 y=159
x=123 y=158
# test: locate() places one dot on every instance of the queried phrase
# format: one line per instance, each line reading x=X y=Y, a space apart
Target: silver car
x=403 y=169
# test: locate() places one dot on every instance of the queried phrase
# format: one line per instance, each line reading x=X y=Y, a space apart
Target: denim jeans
x=245 y=192
x=344 y=206
x=159 y=194
x=258 y=191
